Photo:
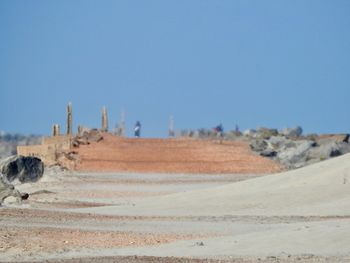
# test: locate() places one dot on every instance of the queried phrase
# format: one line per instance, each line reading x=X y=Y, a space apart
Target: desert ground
x=301 y=215
x=157 y=155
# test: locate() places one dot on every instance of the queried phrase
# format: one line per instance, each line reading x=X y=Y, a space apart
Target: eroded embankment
x=113 y=154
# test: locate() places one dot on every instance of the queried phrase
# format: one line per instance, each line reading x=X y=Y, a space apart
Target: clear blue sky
x=252 y=63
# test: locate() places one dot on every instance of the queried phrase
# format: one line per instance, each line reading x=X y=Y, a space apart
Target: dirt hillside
x=115 y=154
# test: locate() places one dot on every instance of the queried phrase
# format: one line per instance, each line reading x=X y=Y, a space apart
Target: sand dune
x=322 y=189
x=329 y=238
x=297 y=216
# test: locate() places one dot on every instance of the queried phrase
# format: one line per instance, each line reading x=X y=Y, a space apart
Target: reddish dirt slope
x=114 y=154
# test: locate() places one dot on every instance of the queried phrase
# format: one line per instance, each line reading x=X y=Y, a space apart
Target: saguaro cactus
x=69 y=119
x=104 y=119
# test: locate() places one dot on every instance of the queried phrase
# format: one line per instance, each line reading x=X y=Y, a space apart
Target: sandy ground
x=298 y=216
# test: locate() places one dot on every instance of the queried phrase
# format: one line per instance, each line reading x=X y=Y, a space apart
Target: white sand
x=248 y=219
x=321 y=189
x=325 y=239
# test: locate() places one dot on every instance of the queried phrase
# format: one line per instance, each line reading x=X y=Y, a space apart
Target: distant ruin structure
x=55 y=130
x=120 y=127
x=54 y=148
x=171 y=127
x=80 y=129
x=69 y=119
x=104 y=120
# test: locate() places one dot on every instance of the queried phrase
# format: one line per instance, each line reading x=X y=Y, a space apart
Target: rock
x=8 y=190
x=328 y=149
x=11 y=200
x=268 y=153
x=24 y=196
x=68 y=160
x=292 y=132
x=311 y=137
x=86 y=136
x=293 y=150
x=80 y=141
x=271 y=147
x=266 y=133
x=250 y=133
x=94 y=136
x=83 y=129
x=295 y=157
x=199 y=244
x=25 y=169
x=280 y=142
x=258 y=145
x=335 y=137
x=344 y=147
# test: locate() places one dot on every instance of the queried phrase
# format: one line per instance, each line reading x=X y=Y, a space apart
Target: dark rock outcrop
x=25 y=169
x=268 y=153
